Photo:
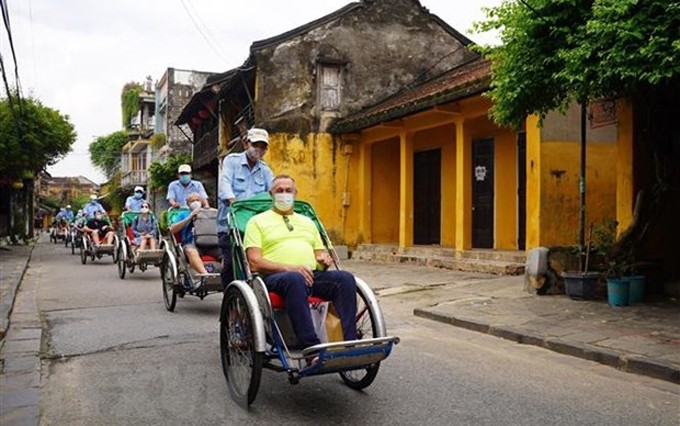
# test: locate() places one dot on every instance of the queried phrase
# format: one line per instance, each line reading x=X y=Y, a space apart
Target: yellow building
x=429 y=167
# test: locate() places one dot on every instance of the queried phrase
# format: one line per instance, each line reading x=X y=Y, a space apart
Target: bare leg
x=142 y=244
x=95 y=236
x=195 y=260
x=152 y=243
x=109 y=237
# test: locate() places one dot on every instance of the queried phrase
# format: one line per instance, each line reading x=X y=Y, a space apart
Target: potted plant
x=618 y=284
x=582 y=285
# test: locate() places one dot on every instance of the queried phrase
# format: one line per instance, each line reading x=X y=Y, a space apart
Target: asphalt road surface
x=112 y=355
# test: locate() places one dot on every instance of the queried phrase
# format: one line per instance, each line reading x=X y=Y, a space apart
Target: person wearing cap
x=92 y=207
x=134 y=202
x=243 y=176
x=68 y=213
x=179 y=189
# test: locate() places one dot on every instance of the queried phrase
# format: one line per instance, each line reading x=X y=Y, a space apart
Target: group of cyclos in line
x=259 y=246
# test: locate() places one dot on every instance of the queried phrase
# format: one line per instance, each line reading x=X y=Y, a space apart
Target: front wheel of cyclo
x=241 y=364
x=168 y=279
x=121 y=260
x=366 y=329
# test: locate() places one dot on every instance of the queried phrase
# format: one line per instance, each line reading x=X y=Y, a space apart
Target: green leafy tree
x=161 y=174
x=554 y=52
x=105 y=152
x=78 y=202
x=130 y=101
x=33 y=137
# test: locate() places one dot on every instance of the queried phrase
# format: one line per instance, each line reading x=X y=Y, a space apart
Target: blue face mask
x=138 y=195
x=185 y=179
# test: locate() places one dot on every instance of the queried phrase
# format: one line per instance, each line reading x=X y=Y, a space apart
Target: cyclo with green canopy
x=255 y=331
x=177 y=276
x=125 y=248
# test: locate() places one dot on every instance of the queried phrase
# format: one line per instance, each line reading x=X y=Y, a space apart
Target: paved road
x=113 y=355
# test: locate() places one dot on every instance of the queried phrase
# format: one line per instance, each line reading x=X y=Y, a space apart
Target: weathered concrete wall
x=385 y=45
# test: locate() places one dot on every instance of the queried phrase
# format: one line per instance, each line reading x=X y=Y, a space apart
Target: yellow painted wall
x=533 y=229
x=625 y=192
x=559 y=189
x=444 y=138
x=385 y=192
x=319 y=166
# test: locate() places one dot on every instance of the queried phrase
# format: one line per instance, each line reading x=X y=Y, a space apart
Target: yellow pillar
x=625 y=198
x=533 y=191
x=365 y=193
x=405 y=190
x=463 y=187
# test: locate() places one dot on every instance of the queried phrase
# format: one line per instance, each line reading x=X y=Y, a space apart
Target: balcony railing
x=134 y=177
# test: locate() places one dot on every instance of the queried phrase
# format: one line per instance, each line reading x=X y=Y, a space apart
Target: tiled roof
x=457 y=83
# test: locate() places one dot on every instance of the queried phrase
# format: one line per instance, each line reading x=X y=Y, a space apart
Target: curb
x=7 y=305
x=629 y=363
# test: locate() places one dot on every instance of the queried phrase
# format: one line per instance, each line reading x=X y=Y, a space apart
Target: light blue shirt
x=92 y=207
x=134 y=204
x=239 y=181
x=179 y=192
x=68 y=215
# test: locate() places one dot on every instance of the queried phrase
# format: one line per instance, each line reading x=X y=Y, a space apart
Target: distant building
x=65 y=188
x=173 y=92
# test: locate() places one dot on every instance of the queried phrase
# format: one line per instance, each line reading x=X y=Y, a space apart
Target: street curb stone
x=626 y=362
x=7 y=303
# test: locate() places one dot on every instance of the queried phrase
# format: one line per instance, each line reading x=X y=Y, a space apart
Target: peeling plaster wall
x=385 y=45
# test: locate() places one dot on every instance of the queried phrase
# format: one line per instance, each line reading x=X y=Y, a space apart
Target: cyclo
x=59 y=230
x=255 y=331
x=125 y=252
x=177 y=276
x=89 y=249
x=75 y=237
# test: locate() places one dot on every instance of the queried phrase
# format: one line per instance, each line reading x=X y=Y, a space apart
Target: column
x=405 y=190
x=463 y=187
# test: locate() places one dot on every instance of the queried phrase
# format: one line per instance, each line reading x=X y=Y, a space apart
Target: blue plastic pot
x=636 y=290
x=618 y=290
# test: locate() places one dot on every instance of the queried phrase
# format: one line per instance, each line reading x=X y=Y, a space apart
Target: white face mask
x=254 y=153
x=195 y=205
x=284 y=201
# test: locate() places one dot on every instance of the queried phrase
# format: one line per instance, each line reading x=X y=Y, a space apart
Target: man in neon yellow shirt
x=286 y=248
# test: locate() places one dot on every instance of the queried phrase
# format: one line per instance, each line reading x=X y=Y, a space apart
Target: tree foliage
x=105 y=152
x=33 y=137
x=129 y=100
x=161 y=174
x=554 y=52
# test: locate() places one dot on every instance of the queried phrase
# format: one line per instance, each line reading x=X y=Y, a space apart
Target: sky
x=76 y=55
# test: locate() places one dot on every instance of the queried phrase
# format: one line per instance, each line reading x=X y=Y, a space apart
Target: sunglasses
x=288 y=224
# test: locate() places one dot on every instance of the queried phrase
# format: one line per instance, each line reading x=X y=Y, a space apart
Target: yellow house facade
x=430 y=168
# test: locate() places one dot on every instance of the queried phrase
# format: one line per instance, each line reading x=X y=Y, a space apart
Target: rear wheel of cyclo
x=73 y=246
x=168 y=279
x=241 y=364
x=83 y=253
x=121 y=261
x=366 y=329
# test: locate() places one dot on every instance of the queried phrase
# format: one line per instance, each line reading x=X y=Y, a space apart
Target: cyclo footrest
x=348 y=355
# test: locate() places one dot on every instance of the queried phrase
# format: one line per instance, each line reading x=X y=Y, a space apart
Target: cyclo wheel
x=168 y=280
x=241 y=364
x=73 y=246
x=83 y=253
x=121 y=261
x=366 y=329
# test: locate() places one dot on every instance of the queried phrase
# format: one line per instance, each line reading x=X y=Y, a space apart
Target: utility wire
x=5 y=18
x=205 y=37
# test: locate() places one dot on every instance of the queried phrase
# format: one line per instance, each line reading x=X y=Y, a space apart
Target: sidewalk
x=642 y=339
x=13 y=263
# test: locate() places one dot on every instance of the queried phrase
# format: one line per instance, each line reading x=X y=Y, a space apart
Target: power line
x=212 y=45
x=5 y=18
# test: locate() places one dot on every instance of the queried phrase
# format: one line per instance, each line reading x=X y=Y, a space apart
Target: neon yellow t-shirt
x=268 y=231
